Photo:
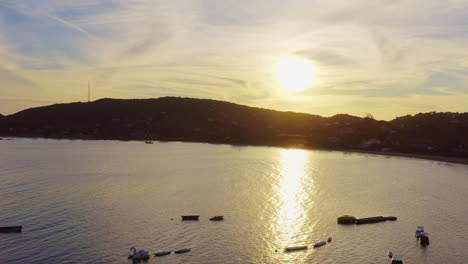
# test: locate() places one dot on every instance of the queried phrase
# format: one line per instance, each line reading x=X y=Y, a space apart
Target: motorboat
x=295 y=248
x=138 y=255
x=162 y=253
x=397 y=260
x=10 y=229
x=419 y=231
x=217 y=218
x=319 y=244
x=190 y=217
x=182 y=250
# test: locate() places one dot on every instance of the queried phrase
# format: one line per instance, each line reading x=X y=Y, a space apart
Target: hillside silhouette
x=203 y=120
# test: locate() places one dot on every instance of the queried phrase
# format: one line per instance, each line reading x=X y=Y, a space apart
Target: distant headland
x=202 y=120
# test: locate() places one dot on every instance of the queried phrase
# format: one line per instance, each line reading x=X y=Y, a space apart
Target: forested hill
x=202 y=120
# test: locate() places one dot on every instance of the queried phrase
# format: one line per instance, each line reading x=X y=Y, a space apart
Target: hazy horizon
x=385 y=58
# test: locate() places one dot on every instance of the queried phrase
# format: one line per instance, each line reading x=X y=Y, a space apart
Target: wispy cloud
x=14 y=80
x=68 y=24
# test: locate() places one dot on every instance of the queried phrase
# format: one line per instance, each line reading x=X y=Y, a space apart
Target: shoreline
x=446 y=159
x=412 y=155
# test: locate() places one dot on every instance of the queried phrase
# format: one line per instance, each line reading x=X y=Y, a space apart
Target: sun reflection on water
x=290 y=225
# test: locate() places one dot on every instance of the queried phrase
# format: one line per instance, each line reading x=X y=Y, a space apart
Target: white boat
x=419 y=231
x=138 y=255
x=397 y=260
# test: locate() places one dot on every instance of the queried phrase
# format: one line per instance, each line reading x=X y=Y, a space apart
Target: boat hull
x=11 y=229
x=182 y=250
x=289 y=249
x=368 y=220
x=162 y=253
x=319 y=244
x=190 y=217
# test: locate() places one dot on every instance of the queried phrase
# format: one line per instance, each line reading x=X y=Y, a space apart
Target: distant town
x=203 y=120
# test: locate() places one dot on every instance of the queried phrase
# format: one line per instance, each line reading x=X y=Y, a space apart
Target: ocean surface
x=90 y=201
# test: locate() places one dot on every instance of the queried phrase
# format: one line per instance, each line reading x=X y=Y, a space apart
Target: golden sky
x=388 y=58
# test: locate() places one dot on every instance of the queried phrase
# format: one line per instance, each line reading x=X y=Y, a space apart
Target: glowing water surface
x=90 y=201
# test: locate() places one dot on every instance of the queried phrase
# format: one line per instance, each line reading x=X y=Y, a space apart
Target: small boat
x=149 y=142
x=295 y=248
x=217 y=218
x=397 y=260
x=369 y=220
x=419 y=231
x=190 y=217
x=10 y=229
x=329 y=239
x=319 y=244
x=162 y=253
x=424 y=239
x=138 y=255
x=182 y=250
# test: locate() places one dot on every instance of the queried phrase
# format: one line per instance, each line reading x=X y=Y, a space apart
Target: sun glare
x=295 y=74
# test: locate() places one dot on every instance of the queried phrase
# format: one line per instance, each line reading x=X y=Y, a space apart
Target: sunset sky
x=388 y=58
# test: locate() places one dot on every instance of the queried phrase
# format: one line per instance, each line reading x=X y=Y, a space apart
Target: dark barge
x=190 y=217
x=10 y=229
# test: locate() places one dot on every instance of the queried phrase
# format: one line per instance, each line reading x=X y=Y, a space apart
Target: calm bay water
x=90 y=201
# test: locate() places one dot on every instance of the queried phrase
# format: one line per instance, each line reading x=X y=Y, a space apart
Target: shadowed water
x=90 y=201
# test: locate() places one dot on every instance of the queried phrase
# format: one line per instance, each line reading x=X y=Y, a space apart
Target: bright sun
x=295 y=74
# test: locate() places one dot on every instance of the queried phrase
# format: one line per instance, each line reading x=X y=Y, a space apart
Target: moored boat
x=419 y=231
x=190 y=217
x=368 y=220
x=424 y=239
x=182 y=250
x=319 y=244
x=346 y=220
x=138 y=255
x=397 y=260
x=162 y=253
x=10 y=229
x=295 y=248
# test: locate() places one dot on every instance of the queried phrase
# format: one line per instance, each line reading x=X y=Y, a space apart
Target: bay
x=90 y=201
